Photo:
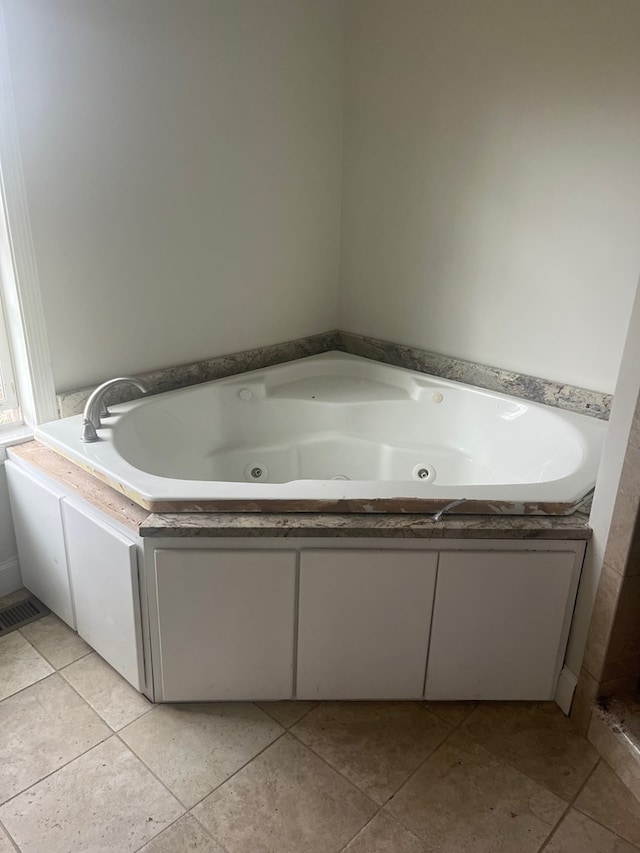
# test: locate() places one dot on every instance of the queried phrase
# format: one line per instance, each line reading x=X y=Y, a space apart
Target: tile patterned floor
x=89 y=765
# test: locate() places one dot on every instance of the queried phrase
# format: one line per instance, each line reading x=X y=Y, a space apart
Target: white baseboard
x=565 y=689
x=10 y=579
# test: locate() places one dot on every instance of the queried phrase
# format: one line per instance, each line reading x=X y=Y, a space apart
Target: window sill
x=17 y=434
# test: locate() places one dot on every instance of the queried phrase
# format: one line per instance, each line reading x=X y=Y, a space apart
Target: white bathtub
x=336 y=432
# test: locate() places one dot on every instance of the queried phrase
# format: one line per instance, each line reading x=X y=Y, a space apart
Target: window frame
x=26 y=336
x=8 y=390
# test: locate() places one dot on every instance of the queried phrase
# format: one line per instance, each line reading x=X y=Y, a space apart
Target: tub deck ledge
x=303 y=525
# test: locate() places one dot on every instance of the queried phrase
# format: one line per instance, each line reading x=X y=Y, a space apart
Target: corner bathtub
x=338 y=433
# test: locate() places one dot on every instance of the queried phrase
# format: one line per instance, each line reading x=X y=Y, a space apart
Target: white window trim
x=9 y=398
x=18 y=270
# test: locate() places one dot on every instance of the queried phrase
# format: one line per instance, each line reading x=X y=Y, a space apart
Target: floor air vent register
x=21 y=613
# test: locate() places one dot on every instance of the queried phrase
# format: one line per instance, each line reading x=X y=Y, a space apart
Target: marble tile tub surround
x=171 y=378
x=354 y=525
x=613 y=644
x=611 y=664
x=520 y=385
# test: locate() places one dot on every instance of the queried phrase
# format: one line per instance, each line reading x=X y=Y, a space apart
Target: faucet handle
x=88 y=431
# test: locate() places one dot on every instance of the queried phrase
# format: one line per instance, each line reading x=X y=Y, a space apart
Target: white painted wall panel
x=492 y=180
x=182 y=163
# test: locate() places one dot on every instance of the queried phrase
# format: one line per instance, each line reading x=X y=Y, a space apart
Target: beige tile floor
x=87 y=764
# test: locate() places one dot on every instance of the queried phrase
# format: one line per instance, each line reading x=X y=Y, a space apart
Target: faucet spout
x=95 y=407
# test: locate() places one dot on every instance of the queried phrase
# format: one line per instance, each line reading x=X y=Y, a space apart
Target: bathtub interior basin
x=335 y=429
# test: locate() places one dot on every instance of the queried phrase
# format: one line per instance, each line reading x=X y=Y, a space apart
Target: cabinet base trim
x=566 y=688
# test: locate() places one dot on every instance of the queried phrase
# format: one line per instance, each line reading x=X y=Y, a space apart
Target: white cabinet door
x=500 y=624
x=226 y=624
x=37 y=517
x=363 y=623
x=104 y=575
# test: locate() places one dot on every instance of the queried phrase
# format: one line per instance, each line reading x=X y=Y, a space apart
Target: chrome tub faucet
x=95 y=408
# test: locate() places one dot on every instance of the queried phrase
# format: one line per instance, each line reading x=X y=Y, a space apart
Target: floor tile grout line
x=422 y=763
x=35 y=648
x=189 y=809
x=111 y=734
x=95 y=710
x=335 y=769
x=164 y=829
x=442 y=719
x=131 y=722
x=378 y=809
x=362 y=829
x=570 y=806
x=107 y=737
x=459 y=728
x=256 y=702
x=153 y=773
x=235 y=772
x=555 y=828
x=584 y=784
x=12 y=841
x=513 y=766
x=46 y=659
x=223 y=849
x=391 y=817
x=71 y=662
x=380 y=806
x=409 y=778
x=284 y=733
x=595 y=819
x=33 y=683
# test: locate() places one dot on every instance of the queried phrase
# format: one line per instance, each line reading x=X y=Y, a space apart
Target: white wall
x=492 y=180
x=9 y=571
x=182 y=164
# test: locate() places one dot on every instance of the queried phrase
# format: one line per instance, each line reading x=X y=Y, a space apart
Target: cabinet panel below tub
x=226 y=624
